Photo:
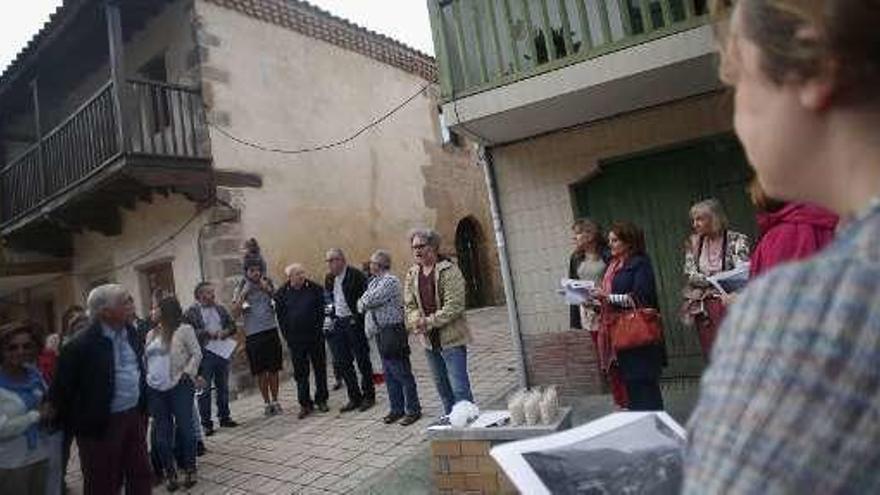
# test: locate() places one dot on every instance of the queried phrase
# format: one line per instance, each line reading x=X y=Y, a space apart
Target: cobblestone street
x=334 y=453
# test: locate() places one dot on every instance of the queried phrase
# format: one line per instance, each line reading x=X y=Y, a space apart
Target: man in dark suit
x=98 y=396
x=344 y=285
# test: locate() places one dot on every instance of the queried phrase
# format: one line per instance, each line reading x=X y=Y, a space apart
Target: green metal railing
x=481 y=44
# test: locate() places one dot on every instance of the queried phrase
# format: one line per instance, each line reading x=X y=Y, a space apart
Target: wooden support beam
x=34 y=268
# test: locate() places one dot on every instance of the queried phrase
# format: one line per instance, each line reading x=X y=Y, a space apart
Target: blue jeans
x=214 y=369
x=170 y=408
x=449 y=367
x=401 y=384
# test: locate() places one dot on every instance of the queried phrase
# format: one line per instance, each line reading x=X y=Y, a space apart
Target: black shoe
x=209 y=430
x=366 y=404
x=200 y=448
x=171 y=484
x=338 y=385
x=322 y=407
x=391 y=418
x=351 y=406
x=228 y=423
x=189 y=479
x=303 y=412
x=410 y=419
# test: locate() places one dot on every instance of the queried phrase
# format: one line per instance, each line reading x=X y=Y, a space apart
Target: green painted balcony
x=488 y=47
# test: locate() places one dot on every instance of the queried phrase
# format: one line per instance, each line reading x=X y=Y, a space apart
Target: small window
x=158 y=282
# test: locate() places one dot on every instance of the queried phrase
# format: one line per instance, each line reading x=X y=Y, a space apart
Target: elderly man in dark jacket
x=344 y=285
x=299 y=304
x=99 y=396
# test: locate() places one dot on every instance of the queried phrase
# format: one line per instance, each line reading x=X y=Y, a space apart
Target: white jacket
x=186 y=354
x=14 y=421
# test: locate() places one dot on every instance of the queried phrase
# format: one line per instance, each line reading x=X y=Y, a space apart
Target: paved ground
x=333 y=453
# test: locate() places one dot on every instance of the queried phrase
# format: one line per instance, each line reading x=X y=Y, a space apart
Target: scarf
x=31 y=391
x=607 y=356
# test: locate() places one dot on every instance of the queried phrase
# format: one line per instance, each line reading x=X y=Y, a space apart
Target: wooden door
x=655 y=191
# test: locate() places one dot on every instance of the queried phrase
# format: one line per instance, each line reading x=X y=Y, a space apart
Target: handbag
x=636 y=327
x=391 y=340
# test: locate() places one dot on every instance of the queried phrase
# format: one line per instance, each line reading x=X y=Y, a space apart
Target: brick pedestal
x=460 y=460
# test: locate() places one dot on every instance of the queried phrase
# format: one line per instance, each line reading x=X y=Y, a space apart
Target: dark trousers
x=172 y=412
x=120 y=455
x=303 y=355
x=644 y=395
x=403 y=396
x=349 y=345
x=214 y=369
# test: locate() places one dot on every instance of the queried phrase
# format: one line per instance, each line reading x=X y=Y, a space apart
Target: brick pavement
x=335 y=453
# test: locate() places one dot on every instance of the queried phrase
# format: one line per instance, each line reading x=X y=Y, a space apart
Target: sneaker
x=410 y=419
x=228 y=423
x=209 y=430
x=442 y=421
x=351 y=406
x=366 y=404
x=277 y=408
x=200 y=448
x=391 y=418
x=303 y=412
x=322 y=407
x=268 y=410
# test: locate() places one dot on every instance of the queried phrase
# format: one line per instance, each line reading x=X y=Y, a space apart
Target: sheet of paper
x=731 y=280
x=489 y=418
x=223 y=348
x=577 y=292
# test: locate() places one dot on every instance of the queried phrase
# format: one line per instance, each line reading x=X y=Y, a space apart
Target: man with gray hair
x=343 y=286
x=434 y=302
x=99 y=396
x=299 y=306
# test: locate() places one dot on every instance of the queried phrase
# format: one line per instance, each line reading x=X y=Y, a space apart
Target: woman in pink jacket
x=789 y=231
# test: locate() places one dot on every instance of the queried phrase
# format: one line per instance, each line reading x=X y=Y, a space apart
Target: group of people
x=99 y=380
x=623 y=275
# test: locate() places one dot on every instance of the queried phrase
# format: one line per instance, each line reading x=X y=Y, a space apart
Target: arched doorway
x=469 y=248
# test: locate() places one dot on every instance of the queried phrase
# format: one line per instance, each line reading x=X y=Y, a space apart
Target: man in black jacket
x=299 y=304
x=99 y=396
x=344 y=285
x=212 y=322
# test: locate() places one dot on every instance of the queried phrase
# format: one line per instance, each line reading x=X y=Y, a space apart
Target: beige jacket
x=449 y=319
x=186 y=355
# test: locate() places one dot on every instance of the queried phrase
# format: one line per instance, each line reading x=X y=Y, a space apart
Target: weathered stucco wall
x=148 y=225
x=274 y=86
x=533 y=181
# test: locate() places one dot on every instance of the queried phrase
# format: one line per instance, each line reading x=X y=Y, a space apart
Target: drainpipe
x=506 y=275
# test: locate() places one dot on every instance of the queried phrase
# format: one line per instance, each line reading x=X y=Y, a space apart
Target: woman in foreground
x=791 y=401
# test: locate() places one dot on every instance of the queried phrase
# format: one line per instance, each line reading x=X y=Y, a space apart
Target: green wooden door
x=655 y=191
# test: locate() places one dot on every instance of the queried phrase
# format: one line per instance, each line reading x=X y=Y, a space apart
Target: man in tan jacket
x=434 y=301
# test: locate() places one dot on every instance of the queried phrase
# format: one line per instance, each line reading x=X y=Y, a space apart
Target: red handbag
x=636 y=328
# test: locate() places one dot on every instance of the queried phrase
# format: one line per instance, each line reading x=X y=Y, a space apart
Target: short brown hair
x=30 y=328
x=631 y=235
x=845 y=31
x=762 y=202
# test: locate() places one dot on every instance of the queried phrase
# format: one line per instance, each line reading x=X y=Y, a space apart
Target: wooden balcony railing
x=482 y=44
x=161 y=120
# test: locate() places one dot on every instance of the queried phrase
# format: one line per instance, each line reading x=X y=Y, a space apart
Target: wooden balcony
x=117 y=147
x=483 y=44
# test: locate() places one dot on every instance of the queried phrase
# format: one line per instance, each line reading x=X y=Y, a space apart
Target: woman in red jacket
x=789 y=231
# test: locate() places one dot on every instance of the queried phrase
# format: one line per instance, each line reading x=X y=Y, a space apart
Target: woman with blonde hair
x=791 y=401
x=711 y=249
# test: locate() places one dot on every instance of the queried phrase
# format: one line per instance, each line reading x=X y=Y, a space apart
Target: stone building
x=141 y=162
x=608 y=109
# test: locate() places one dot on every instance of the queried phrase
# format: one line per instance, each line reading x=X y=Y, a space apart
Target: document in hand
x=577 y=291
x=731 y=280
x=629 y=452
x=222 y=348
